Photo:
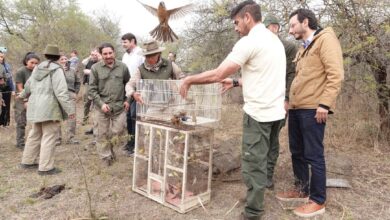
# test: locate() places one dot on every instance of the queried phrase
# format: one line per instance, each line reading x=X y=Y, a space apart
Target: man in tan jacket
x=313 y=93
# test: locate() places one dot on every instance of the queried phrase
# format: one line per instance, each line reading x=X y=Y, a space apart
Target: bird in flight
x=163 y=32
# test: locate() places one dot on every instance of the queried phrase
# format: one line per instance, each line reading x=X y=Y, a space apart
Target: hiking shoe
x=20 y=146
x=49 y=172
x=28 y=166
x=310 y=209
x=270 y=185
x=108 y=161
x=129 y=153
x=292 y=195
x=89 y=132
x=244 y=217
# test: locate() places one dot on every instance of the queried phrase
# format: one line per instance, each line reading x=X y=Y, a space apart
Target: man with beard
x=107 y=90
x=260 y=55
x=313 y=93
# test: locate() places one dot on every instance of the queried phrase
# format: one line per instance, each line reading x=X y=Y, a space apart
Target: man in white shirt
x=260 y=55
x=133 y=58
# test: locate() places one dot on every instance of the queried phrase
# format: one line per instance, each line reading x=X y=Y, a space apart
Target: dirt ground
x=112 y=197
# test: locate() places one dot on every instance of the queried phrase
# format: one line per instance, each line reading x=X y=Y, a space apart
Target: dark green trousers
x=257 y=140
x=21 y=122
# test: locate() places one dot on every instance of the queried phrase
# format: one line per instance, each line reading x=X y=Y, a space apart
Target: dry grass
x=350 y=136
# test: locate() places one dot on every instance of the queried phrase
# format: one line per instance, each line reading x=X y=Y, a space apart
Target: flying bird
x=163 y=32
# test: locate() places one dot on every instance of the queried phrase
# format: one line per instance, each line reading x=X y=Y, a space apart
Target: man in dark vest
x=154 y=67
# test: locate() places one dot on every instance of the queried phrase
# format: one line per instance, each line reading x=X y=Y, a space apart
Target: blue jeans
x=131 y=118
x=306 y=145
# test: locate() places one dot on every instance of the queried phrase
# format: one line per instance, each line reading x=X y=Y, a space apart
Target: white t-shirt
x=133 y=60
x=263 y=64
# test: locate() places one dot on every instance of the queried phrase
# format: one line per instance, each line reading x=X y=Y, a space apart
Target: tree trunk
x=383 y=93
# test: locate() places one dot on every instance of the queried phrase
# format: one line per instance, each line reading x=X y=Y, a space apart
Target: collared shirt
x=133 y=60
x=107 y=85
x=263 y=64
x=307 y=42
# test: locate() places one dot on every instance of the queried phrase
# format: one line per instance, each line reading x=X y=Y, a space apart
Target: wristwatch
x=235 y=83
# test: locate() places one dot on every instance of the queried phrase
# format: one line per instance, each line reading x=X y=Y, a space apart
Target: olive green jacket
x=107 y=85
x=47 y=93
x=291 y=51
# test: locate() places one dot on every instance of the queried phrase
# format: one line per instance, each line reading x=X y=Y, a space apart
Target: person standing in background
x=74 y=60
x=87 y=63
x=272 y=24
x=22 y=75
x=8 y=91
x=73 y=82
x=133 y=58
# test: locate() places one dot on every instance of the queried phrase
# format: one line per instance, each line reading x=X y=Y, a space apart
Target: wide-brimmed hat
x=152 y=47
x=52 y=49
x=270 y=19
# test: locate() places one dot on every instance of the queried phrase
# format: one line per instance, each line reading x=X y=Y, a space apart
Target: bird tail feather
x=164 y=33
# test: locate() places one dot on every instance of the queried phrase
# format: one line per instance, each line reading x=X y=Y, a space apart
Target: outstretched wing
x=149 y=8
x=179 y=12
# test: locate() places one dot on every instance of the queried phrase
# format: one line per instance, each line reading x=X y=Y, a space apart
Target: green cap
x=52 y=50
x=270 y=19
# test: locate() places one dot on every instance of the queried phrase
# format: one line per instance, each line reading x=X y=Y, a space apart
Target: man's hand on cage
x=226 y=84
x=184 y=87
x=138 y=98
x=126 y=105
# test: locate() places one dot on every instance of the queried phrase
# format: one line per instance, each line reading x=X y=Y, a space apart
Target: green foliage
x=28 y=25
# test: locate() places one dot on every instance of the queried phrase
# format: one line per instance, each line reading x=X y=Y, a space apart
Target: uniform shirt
x=107 y=85
x=133 y=60
x=22 y=75
x=263 y=64
x=291 y=51
x=72 y=80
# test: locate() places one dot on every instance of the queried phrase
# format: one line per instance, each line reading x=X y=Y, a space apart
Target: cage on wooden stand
x=173 y=143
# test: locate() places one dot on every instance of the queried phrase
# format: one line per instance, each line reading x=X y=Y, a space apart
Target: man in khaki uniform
x=272 y=24
x=107 y=89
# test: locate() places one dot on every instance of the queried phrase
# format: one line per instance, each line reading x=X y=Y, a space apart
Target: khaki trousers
x=41 y=143
x=110 y=132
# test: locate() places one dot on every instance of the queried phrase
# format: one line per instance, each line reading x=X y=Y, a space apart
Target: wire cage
x=163 y=103
x=172 y=166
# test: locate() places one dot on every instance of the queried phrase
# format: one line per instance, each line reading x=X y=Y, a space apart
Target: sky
x=133 y=17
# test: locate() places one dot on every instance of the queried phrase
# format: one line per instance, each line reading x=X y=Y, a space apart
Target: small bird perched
x=163 y=32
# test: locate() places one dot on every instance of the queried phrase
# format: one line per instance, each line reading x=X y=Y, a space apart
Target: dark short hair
x=248 y=6
x=52 y=57
x=303 y=14
x=105 y=45
x=29 y=56
x=75 y=52
x=129 y=37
